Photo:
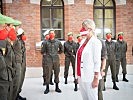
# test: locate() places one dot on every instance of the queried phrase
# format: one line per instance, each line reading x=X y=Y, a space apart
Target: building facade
x=67 y=15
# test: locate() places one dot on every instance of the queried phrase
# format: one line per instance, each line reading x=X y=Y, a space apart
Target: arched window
x=52 y=17
x=1 y=7
x=104 y=16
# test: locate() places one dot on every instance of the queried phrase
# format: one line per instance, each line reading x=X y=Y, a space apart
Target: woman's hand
x=95 y=81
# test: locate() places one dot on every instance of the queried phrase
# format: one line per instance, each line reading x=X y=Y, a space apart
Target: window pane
x=108 y=3
x=59 y=34
x=108 y=13
x=99 y=23
x=98 y=13
x=46 y=18
x=99 y=3
x=46 y=2
x=57 y=18
x=57 y=2
x=109 y=23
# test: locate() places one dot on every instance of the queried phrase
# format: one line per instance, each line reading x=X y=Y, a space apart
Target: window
x=1 y=8
x=52 y=17
x=104 y=16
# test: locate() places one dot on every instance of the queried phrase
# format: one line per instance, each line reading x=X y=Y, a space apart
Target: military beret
x=78 y=35
x=17 y=22
x=6 y=19
x=2 y=19
x=108 y=31
x=46 y=32
x=69 y=33
x=120 y=33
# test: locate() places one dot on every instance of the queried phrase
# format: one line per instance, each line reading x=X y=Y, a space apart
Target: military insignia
x=3 y=51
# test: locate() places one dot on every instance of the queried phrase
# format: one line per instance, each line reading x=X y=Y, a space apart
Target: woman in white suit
x=88 y=62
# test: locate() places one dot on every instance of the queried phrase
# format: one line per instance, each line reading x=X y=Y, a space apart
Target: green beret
x=6 y=19
x=69 y=33
x=120 y=33
x=108 y=31
x=2 y=19
x=17 y=22
x=78 y=36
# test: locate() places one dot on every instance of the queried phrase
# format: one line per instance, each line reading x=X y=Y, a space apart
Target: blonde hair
x=90 y=23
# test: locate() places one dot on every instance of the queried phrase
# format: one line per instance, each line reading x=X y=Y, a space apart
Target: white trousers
x=87 y=92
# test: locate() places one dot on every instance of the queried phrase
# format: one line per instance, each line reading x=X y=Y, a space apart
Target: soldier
x=103 y=64
x=4 y=81
x=121 y=49
x=70 y=53
x=46 y=35
x=21 y=38
x=11 y=63
x=52 y=48
x=79 y=39
x=111 y=47
x=16 y=46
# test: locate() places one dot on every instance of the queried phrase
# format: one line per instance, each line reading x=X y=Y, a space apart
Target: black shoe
x=65 y=80
x=58 y=90
x=46 y=91
x=51 y=83
x=124 y=79
x=104 y=89
x=20 y=98
x=76 y=88
x=115 y=87
x=44 y=83
x=117 y=79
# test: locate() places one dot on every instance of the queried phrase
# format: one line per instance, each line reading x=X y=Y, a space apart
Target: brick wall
x=74 y=14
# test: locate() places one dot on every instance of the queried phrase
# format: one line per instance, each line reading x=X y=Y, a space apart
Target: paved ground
x=33 y=88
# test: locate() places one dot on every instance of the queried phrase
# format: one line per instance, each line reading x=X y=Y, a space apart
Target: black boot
x=20 y=97
x=44 y=81
x=114 y=86
x=47 y=89
x=76 y=88
x=51 y=82
x=124 y=78
x=117 y=80
x=65 y=80
x=57 y=88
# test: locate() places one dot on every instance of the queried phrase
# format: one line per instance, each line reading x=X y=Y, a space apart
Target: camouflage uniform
x=23 y=66
x=11 y=66
x=4 y=79
x=101 y=81
x=121 y=49
x=70 y=53
x=111 y=61
x=51 y=48
x=18 y=56
x=44 y=66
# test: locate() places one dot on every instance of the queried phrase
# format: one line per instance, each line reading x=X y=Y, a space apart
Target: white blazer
x=91 y=59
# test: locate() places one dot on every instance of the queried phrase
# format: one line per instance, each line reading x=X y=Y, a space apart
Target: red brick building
x=67 y=15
